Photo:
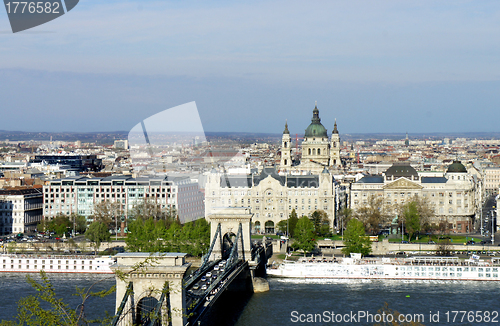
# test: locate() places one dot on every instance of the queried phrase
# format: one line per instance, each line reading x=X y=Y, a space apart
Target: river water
x=295 y=302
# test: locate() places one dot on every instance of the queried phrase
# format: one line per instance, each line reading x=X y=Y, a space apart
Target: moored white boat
x=19 y=263
x=415 y=268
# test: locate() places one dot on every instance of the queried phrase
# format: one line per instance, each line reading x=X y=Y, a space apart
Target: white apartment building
x=80 y=194
x=452 y=194
x=20 y=209
x=491 y=180
x=272 y=197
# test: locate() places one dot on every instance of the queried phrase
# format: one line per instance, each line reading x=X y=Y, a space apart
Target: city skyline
x=377 y=67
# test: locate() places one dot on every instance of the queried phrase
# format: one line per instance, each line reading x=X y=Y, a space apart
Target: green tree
x=355 y=240
x=412 y=219
x=59 y=225
x=304 y=235
x=321 y=223
x=416 y=215
x=80 y=222
x=154 y=236
x=292 y=223
x=97 y=233
x=282 y=226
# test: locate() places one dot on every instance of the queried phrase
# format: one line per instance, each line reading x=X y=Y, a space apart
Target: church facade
x=319 y=151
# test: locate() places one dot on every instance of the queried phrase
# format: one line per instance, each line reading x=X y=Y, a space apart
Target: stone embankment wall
x=56 y=246
x=384 y=247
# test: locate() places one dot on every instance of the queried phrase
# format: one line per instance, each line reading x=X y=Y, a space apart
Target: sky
x=375 y=66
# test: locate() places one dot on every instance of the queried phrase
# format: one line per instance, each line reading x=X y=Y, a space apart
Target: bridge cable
x=128 y=292
x=156 y=314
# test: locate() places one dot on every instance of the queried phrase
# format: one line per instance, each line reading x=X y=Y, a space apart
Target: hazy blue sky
x=376 y=66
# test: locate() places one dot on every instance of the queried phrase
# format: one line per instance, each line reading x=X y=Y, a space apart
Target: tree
x=416 y=214
x=412 y=219
x=444 y=226
x=292 y=223
x=444 y=248
x=355 y=240
x=282 y=226
x=343 y=217
x=321 y=223
x=149 y=208
x=80 y=222
x=372 y=214
x=97 y=233
x=154 y=236
x=107 y=212
x=304 y=235
x=59 y=225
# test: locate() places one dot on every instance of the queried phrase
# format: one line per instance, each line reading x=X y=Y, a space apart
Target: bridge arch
x=144 y=310
x=229 y=220
x=145 y=278
x=228 y=241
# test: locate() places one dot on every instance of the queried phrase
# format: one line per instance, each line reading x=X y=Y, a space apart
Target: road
x=489 y=217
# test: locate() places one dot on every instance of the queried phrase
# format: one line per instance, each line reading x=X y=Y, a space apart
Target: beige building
x=451 y=194
x=272 y=197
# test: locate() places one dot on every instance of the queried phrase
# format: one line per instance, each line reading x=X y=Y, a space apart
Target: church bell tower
x=335 y=147
x=286 y=150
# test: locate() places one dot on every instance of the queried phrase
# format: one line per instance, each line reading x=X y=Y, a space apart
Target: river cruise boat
x=413 y=268
x=19 y=263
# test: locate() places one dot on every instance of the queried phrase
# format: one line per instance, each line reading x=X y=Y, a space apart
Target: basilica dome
x=316 y=129
x=457 y=167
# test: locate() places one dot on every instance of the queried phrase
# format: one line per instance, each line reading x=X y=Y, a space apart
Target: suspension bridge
x=155 y=289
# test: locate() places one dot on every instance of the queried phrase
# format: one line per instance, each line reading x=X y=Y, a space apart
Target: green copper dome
x=316 y=129
x=457 y=167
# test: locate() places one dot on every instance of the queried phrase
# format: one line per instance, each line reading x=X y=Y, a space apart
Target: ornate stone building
x=451 y=194
x=318 y=151
x=272 y=197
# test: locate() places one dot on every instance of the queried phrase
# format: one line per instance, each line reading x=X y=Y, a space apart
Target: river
x=294 y=302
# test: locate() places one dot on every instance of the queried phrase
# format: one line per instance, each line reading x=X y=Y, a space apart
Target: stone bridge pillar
x=148 y=272
x=230 y=219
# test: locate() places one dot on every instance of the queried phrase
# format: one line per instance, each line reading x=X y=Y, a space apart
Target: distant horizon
x=482 y=134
